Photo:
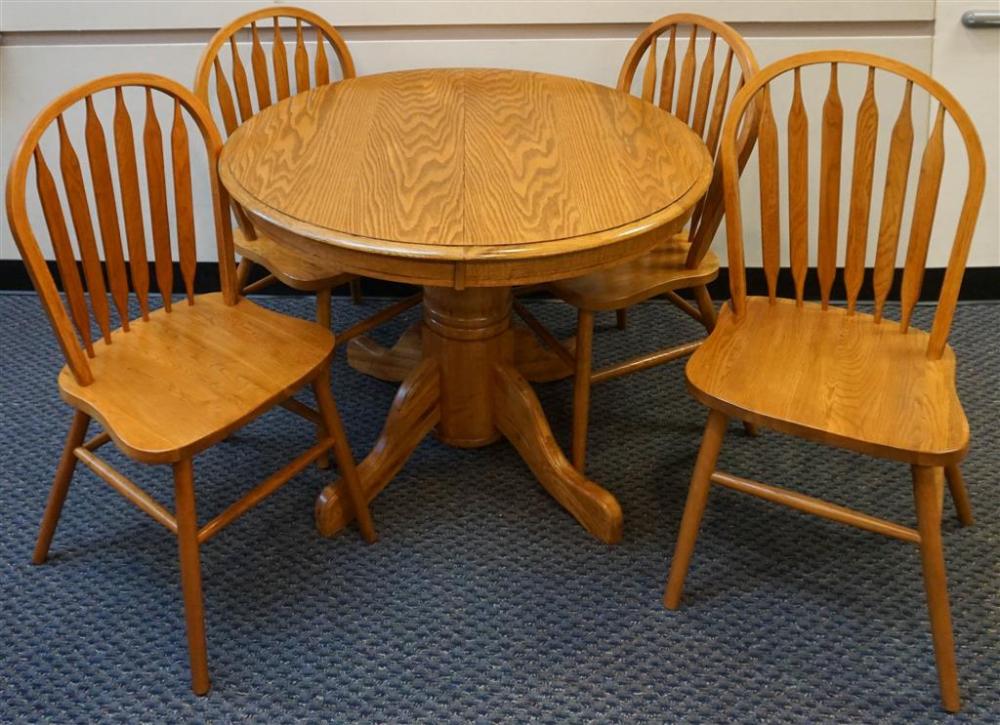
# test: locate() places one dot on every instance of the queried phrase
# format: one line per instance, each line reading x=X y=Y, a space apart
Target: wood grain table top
x=465 y=164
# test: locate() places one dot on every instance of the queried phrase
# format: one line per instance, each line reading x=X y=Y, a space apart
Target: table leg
x=468 y=387
x=519 y=416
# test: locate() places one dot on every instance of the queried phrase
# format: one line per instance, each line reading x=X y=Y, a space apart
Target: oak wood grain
x=483 y=165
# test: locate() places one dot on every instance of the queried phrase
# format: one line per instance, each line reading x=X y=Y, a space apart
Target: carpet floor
x=483 y=600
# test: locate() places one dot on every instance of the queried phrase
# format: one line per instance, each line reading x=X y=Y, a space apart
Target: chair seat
x=181 y=381
x=652 y=274
x=293 y=268
x=833 y=377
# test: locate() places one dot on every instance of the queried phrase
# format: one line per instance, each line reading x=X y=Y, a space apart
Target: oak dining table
x=468 y=183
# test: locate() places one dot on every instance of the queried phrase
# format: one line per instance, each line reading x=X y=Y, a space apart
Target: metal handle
x=981 y=19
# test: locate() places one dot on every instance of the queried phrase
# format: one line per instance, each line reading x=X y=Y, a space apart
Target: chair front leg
x=621 y=318
x=581 y=387
x=60 y=486
x=342 y=452
x=187 y=544
x=960 y=494
x=928 y=494
x=701 y=483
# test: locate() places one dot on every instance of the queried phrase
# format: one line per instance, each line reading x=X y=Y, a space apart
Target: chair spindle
x=669 y=71
x=128 y=177
x=928 y=186
x=770 y=217
x=798 y=185
x=829 y=188
x=65 y=259
x=897 y=175
x=180 y=162
x=686 y=88
x=159 y=222
x=280 y=59
x=865 y=136
x=76 y=194
x=107 y=213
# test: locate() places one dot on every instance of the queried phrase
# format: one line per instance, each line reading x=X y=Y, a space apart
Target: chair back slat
x=798 y=186
x=322 y=64
x=128 y=177
x=69 y=273
x=649 y=75
x=865 y=136
x=258 y=62
x=676 y=90
x=669 y=71
x=685 y=87
x=770 y=205
x=706 y=79
x=893 y=198
x=159 y=221
x=301 y=59
x=925 y=204
x=719 y=106
x=107 y=213
x=71 y=319
x=79 y=208
x=180 y=163
x=829 y=187
x=280 y=65
x=240 y=82
x=280 y=59
x=225 y=98
x=893 y=76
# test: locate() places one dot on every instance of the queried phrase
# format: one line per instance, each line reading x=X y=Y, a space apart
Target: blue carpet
x=483 y=600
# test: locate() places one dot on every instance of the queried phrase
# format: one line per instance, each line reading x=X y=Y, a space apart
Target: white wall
x=48 y=47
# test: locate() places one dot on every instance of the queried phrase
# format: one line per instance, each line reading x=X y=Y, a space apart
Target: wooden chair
x=178 y=379
x=839 y=375
x=254 y=247
x=684 y=261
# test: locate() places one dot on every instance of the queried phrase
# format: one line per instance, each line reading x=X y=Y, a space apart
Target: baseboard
x=979 y=283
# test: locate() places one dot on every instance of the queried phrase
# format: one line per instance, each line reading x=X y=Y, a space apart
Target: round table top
x=465 y=165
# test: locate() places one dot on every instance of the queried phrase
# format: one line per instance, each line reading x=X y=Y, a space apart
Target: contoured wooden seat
x=836 y=374
x=829 y=375
x=292 y=72
x=173 y=381
x=685 y=260
x=196 y=373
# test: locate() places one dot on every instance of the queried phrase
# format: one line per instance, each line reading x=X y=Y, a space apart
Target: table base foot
x=413 y=415
x=521 y=419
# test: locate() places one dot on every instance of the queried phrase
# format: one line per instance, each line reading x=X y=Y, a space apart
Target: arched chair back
x=233 y=100
x=101 y=197
x=698 y=93
x=901 y=201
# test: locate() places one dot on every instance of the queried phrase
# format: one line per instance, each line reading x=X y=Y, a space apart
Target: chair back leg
x=928 y=494
x=581 y=387
x=187 y=544
x=960 y=494
x=60 y=486
x=694 y=508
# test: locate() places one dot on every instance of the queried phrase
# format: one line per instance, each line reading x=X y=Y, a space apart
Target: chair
x=178 y=379
x=684 y=261
x=833 y=374
x=254 y=247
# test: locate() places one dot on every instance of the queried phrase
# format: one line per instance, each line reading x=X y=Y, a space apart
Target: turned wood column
x=467 y=332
